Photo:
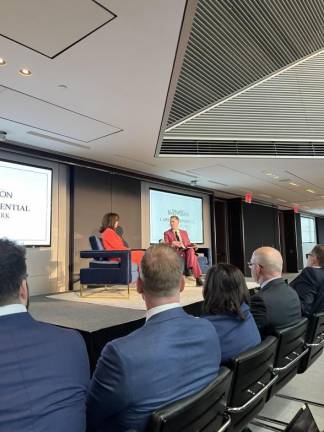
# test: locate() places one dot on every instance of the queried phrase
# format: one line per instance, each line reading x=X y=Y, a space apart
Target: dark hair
x=108 y=221
x=225 y=290
x=12 y=270
x=318 y=251
x=175 y=217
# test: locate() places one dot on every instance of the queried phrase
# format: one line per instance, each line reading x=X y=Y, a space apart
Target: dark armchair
x=107 y=268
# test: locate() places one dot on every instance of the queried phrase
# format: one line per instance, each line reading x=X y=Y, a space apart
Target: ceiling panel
x=234 y=43
x=34 y=24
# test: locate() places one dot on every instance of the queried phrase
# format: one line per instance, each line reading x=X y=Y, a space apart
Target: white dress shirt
x=12 y=309
x=161 y=308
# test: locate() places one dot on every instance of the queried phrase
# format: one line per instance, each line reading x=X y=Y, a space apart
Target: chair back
x=95 y=243
x=201 y=412
x=252 y=376
x=291 y=349
x=314 y=340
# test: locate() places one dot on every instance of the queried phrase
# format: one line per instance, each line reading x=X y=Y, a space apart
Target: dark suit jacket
x=276 y=306
x=309 y=285
x=44 y=375
x=172 y=356
x=235 y=335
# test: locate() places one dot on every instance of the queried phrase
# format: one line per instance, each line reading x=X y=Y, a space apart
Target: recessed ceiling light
x=2 y=62
x=25 y=72
x=275 y=177
x=306 y=207
x=264 y=195
x=310 y=191
x=293 y=184
x=281 y=200
x=269 y=174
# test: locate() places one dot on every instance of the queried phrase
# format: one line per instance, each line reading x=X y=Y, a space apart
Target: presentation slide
x=25 y=204
x=187 y=208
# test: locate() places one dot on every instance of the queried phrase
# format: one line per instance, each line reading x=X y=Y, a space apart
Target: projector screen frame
x=30 y=165
x=186 y=195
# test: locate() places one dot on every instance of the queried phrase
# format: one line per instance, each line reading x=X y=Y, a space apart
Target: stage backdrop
x=96 y=193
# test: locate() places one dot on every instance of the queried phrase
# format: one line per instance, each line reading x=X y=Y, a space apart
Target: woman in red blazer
x=112 y=241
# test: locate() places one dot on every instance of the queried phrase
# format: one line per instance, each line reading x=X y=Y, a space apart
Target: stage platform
x=97 y=323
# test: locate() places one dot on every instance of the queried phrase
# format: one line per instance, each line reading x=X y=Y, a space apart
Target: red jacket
x=169 y=237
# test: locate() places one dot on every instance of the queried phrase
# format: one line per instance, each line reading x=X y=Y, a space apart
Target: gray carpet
x=309 y=385
x=81 y=316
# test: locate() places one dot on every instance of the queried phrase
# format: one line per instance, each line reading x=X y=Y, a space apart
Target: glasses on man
x=251 y=264
x=308 y=255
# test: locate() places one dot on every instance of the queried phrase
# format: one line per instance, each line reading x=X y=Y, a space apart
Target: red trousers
x=191 y=261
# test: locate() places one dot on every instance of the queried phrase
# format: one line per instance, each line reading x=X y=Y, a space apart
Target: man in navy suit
x=309 y=284
x=277 y=305
x=44 y=370
x=172 y=356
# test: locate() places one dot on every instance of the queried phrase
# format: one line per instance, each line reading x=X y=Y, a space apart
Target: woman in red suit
x=112 y=241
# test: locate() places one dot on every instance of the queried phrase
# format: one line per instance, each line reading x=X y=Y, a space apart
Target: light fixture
x=264 y=195
x=310 y=191
x=293 y=184
x=281 y=200
x=269 y=174
x=275 y=177
x=2 y=62
x=25 y=72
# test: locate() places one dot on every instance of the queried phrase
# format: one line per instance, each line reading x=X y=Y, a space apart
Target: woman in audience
x=112 y=241
x=226 y=299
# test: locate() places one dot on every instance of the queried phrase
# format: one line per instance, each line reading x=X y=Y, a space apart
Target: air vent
x=242 y=148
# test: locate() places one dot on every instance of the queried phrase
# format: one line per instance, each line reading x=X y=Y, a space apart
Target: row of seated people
x=44 y=382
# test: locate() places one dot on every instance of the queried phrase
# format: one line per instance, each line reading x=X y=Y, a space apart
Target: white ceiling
x=116 y=80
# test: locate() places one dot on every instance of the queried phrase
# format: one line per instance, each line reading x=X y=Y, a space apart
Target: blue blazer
x=44 y=375
x=172 y=356
x=234 y=334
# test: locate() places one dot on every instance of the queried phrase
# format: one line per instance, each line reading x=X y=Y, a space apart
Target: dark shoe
x=189 y=272
x=199 y=282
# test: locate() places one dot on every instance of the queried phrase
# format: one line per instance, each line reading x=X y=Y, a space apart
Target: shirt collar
x=264 y=283
x=12 y=309
x=162 y=308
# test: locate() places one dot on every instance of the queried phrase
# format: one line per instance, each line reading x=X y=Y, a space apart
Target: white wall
x=48 y=266
x=145 y=209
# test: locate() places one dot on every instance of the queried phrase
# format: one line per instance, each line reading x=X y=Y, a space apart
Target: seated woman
x=112 y=241
x=226 y=299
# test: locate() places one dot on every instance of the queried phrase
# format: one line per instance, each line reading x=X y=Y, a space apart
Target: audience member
x=277 y=305
x=172 y=356
x=226 y=300
x=309 y=284
x=44 y=369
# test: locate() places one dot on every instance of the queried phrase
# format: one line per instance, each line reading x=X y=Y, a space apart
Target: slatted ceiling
x=242 y=148
x=234 y=43
x=287 y=108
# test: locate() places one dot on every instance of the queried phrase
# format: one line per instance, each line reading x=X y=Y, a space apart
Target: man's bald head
x=266 y=263
x=270 y=259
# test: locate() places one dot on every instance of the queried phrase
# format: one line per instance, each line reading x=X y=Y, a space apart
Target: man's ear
x=182 y=283
x=139 y=285
x=23 y=292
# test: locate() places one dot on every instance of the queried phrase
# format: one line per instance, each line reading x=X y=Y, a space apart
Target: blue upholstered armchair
x=106 y=268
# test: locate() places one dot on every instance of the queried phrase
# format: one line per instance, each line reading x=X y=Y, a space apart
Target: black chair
x=252 y=378
x=291 y=349
x=201 y=412
x=314 y=341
